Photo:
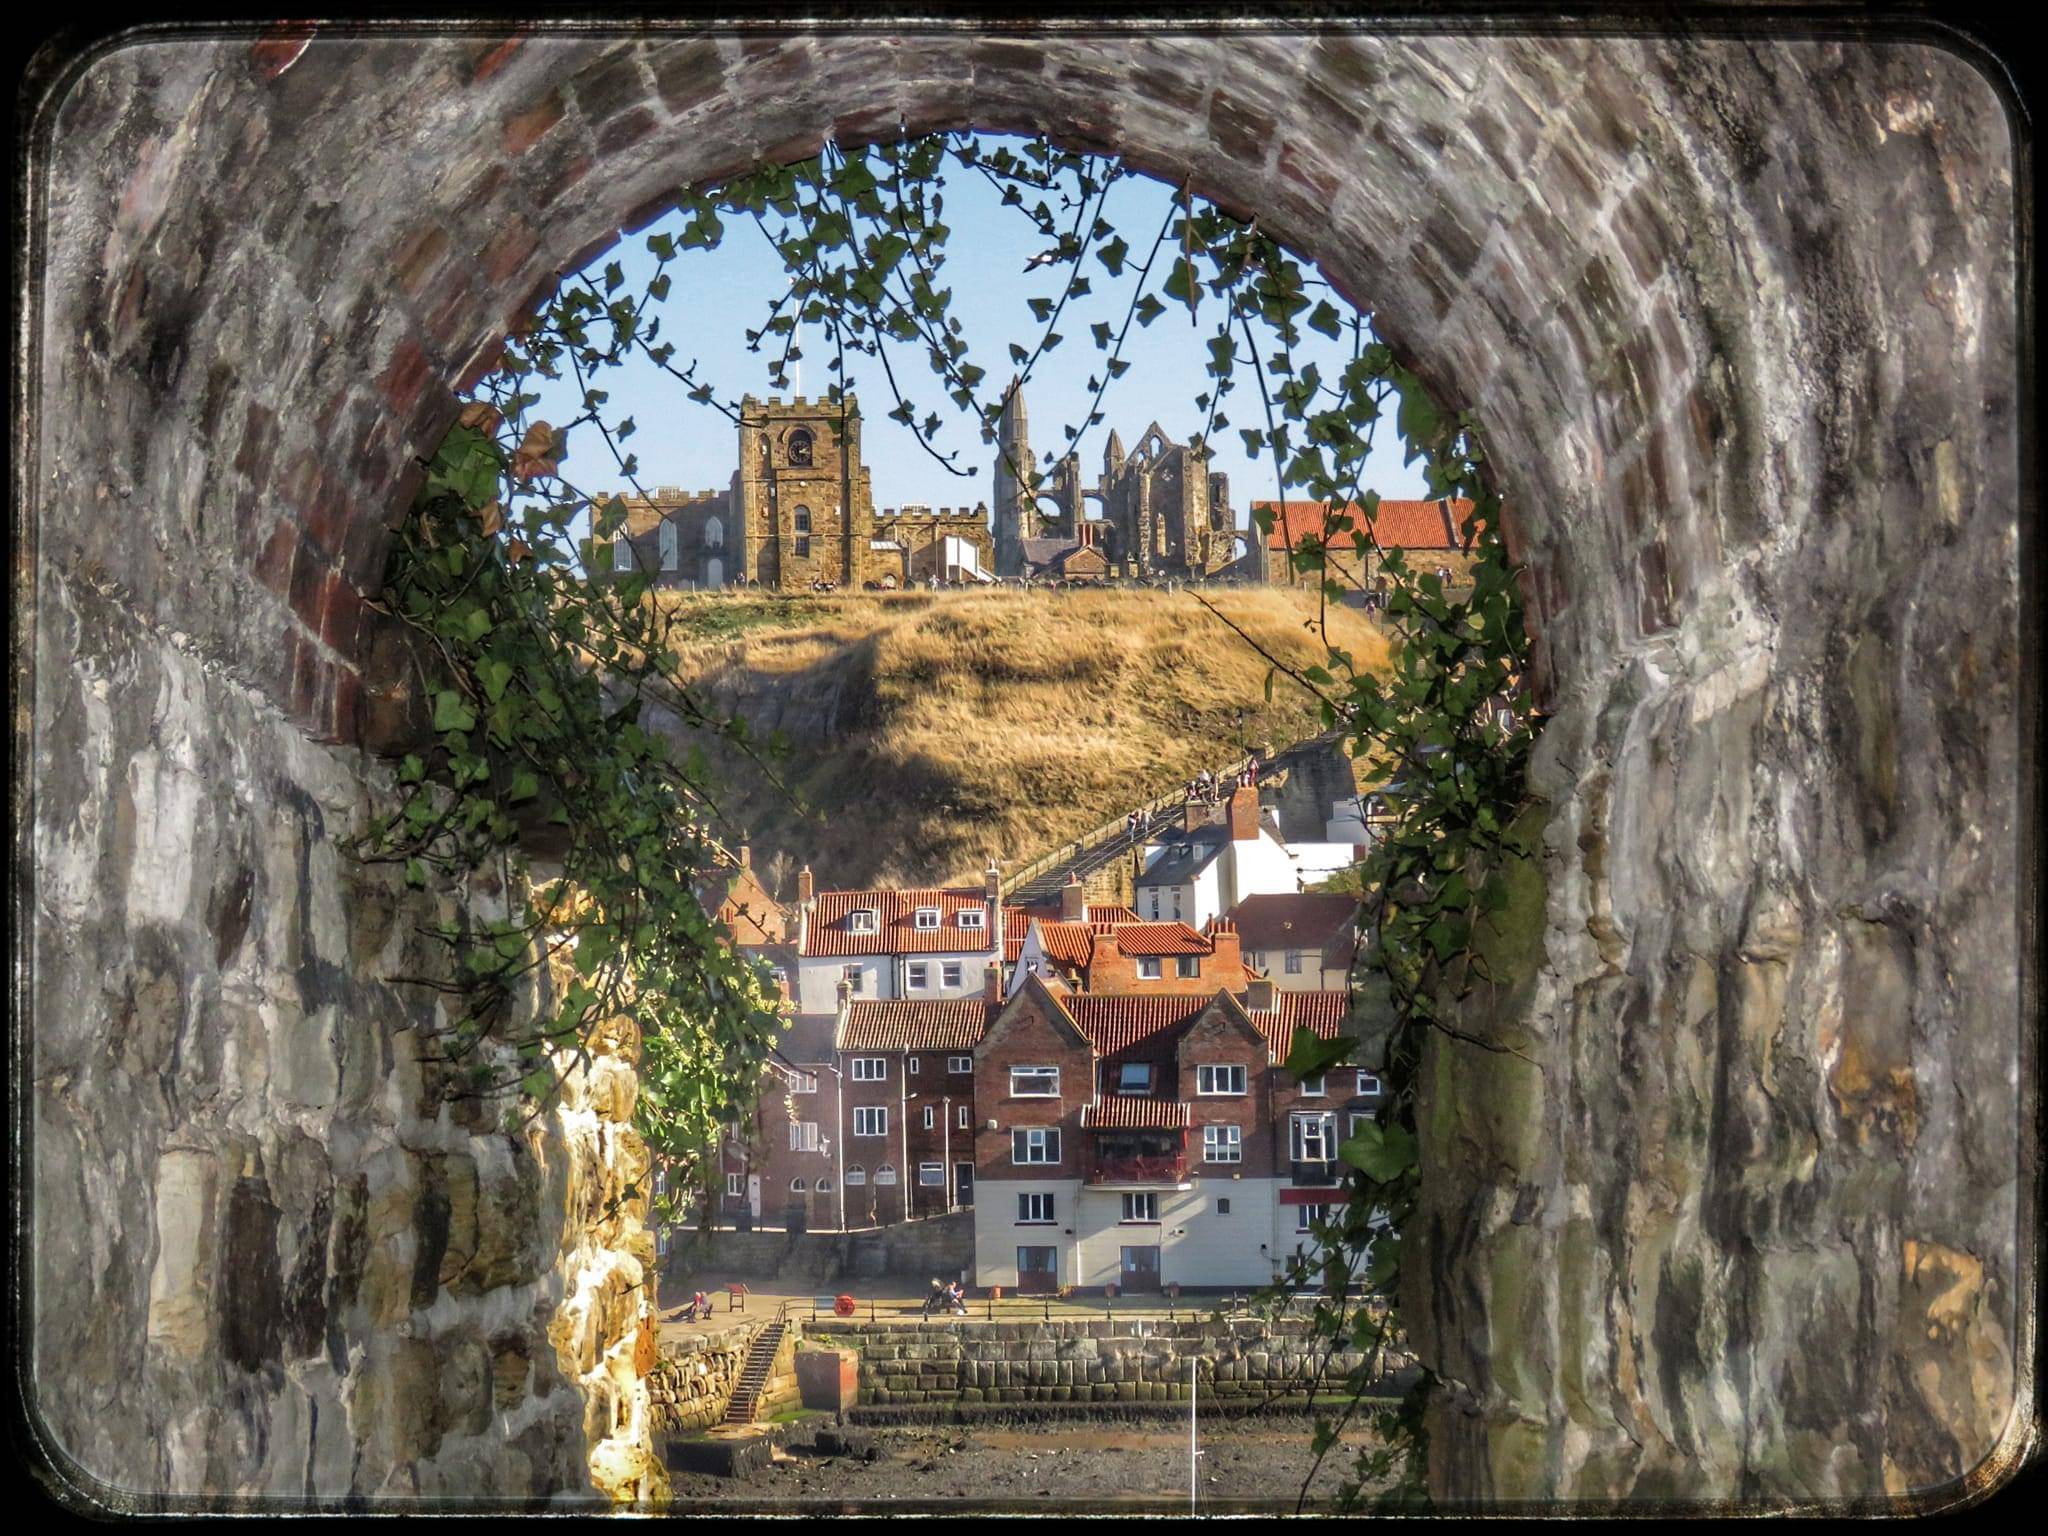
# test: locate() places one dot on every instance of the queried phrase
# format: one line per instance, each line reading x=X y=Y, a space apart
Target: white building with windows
x=889 y=944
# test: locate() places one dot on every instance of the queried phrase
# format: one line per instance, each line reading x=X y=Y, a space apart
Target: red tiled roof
x=1131 y=1112
x=1017 y=922
x=1161 y=939
x=1323 y=1012
x=914 y=1024
x=1397 y=524
x=897 y=931
x=1116 y=1021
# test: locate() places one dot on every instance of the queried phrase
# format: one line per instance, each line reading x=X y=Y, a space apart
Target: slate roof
x=1310 y=920
x=1174 y=867
x=809 y=1039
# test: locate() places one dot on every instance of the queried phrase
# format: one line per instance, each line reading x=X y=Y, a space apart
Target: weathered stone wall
x=691 y=1384
x=1738 y=317
x=1103 y=1361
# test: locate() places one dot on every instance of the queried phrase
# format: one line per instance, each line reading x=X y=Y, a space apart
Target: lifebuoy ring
x=843 y=1306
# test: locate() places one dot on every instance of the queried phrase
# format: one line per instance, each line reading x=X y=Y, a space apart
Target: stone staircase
x=746 y=1396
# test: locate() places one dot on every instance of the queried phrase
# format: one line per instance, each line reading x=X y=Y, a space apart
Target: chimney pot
x=806 y=886
x=992 y=882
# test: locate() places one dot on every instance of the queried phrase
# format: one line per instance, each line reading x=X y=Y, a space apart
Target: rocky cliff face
x=266 y=1258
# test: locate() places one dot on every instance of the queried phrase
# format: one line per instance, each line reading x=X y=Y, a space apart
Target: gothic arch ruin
x=1739 y=1220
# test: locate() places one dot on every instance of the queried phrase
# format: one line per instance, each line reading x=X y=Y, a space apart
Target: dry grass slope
x=929 y=731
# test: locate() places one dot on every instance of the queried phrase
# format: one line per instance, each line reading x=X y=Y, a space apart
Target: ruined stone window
x=799 y=446
x=669 y=545
x=714 y=533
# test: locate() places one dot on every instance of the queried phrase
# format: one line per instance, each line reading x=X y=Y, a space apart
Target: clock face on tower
x=799 y=445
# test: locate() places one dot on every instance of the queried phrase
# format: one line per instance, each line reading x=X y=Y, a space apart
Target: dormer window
x=1134 y=1077
x=927 y=917
x=863 y=920
x=971 y=917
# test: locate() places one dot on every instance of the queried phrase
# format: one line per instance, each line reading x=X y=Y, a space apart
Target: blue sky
x=718 y=295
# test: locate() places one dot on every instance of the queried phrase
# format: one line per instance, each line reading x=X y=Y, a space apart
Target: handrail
x=1102 y=833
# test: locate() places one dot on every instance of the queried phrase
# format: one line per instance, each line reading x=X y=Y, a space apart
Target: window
x=1034 y=1208
x=1353 y=1122
x=803 y=1136
x=1313 y=1087
x=870 y=1069
x=971 y=917
x=1368 y=1085
x=668 y=545
x=931 y=1175
x=1223 y=1207
x=928 y=1113
x=735 y=1185
x=1134 y=1077
x=824 y=1185
x=1176 y=902
x=871 y=1120
x=966 y=1116
x=855 y=1174
x=886 y=1174
x=1294 y=962
x=927 y=917
x=1306 y=1216
x=913 y=1066
x=803 y=547
x=962 y=1065
x=1034 y=1082
x=856 y=977
x=863 y=920
x=714 y=533
x=803 y=1082
x=950 y=973
x=1312 y=1138
x=1148 y=966
x=803 y=519
x=1154 y=914
x=1219 y=1079
x=1187 y=965
x=1222 y=1144
x=920 y=973
x=622 y=551
x=1143 y=1207
x=1035 y=1146
x=796 y=1186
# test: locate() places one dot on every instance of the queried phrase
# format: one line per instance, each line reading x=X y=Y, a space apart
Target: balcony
x=1161 y=1170
x=1313 y=1174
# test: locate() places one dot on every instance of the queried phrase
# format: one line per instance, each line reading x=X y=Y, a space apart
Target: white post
x=1193 y=1454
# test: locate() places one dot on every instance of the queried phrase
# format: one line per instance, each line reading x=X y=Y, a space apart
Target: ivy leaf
x=1112 y=255
x=1324 y=318
x=1148 y=309
x=1309 y=1055
x=451 y=714
x=495 y=675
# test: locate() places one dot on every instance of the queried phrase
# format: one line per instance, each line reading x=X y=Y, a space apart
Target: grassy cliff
x=927 y=731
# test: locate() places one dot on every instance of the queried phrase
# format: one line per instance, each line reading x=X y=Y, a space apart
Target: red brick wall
x=1218 y=1039
x=1024 y=1036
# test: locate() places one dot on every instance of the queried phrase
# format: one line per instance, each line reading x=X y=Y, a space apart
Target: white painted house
x=934 y=943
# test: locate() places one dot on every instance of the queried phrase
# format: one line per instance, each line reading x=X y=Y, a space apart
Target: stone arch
x=1640 y=263
x=714 y=532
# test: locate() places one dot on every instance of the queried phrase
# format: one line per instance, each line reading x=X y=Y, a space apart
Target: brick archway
x=1739 y=322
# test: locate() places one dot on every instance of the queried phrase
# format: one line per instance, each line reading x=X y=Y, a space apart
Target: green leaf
x=1324 y=319
x=450 y=713
x=1148 y=309
x=1112 y=255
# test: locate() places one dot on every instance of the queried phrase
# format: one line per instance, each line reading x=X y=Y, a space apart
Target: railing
x=1161 y=1168
x=1107 y=831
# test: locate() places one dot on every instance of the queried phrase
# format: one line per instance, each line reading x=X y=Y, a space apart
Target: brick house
x=1153 y=1138
x=789 y=1175
x=1073 y=906
x=1132 y=956
x=1431 y=533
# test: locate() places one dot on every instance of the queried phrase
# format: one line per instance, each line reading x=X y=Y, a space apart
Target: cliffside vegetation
x=927 y=732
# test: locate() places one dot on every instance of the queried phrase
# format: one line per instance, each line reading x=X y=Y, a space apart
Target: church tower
x=1016 y=512
x=802 y=495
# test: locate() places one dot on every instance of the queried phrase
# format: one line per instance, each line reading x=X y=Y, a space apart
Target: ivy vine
x=558 y=701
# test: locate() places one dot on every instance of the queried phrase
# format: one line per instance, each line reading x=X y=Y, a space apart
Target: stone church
x=1158 y=509
x=798 y=511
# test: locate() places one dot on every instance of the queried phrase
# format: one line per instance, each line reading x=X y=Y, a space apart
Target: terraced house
x=1147 y=1139
x=884 y=944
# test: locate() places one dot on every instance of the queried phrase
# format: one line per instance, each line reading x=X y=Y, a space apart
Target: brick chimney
x=1244 y=814
x=992 y=882
x=746 y=856
x=992 y=984
x=1229 y=951
x=1073 y=901
x=806 y=887
x=1258 y=995
x=845 y=996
